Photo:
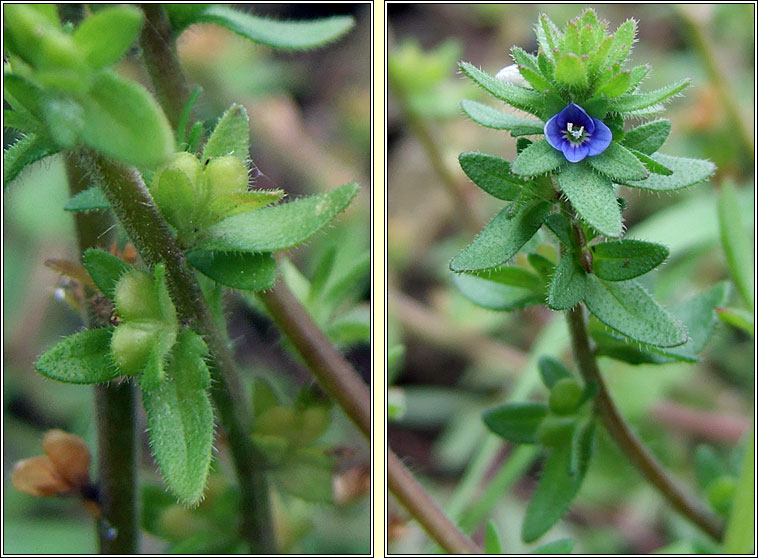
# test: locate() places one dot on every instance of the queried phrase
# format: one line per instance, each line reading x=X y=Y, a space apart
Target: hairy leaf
x=106 y=35
x=105 y=269
x=495 y=295
x=568 y=284
x=123 y=121
x=525 y=99
x=240 y=270
x=81 y=358
x=618 y=163
x=592 y=196
x=231 y=136
x=502 y=238
x=629 y=309
x=685 y=173
x=651 y=164
x=638 y=101
x=648 y=137
x=621 y=260
x=538 y=158
x=555 y=492
x=29 y=149
x=91 y=199
x=552 y=371
x=492 y=174
x=617 y=85
x=285 y=35
x=516 y=422
x=570 y=71
x=493 y=118
x=559 y=224
x=279 y=227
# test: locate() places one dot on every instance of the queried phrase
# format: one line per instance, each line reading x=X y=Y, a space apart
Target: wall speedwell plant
x=567 y=182
x=183 y=197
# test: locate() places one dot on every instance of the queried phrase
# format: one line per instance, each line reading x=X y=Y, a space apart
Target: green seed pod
x=136 y=297
x=277 y=421
x=226 y=175
x=130 y=347
x=565 y=396
x=554 y=430
x=315 y=421
x=188 y=164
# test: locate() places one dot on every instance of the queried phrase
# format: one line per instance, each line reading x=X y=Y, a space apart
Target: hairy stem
x=118 y=527
x=159 y=54
x=137 y=212
x=627 y=440
x=338 y=378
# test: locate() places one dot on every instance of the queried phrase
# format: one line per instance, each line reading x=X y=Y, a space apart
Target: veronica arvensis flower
x=577 y=134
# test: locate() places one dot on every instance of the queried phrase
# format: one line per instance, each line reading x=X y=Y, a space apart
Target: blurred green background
x=310 y=132
x=459 y=360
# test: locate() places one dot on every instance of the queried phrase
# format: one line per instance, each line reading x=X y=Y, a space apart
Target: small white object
x=510 y=74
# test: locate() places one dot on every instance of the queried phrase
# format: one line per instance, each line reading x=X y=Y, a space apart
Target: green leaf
x=570 y=71
x=568 y=284
x=497 y=120
x=621 y=260
x=279 y=227
x=81 y=358
x=571 y=38
x=516 y=422
x=548 y=35
x=737 y=248
x=555 y=492
x=525 y=99
x=175 y=196
x=592 y=196
x=123 y=121
x=535 y=79
x=617 y=85
x=523 y=58
x=639 y=101
x=623 y=39
x=154 y=371
x=561 y=546
x=538 y=158
x=685 y=173
x=614 y=345
x=638 y=74
x=618 y=163
x=105 y=269
x=698 y=314
x=559 y=224
x=492 y=174
x=229 y=205
x=23 y=95
x=552 y=371
x=27 y=150
x=492 y=543
x=180 y=424
x=630 y=310
x=740 y=530
x=63 y=117
x=543 y=266
x=231 y=136
x=503 y=294
x=648 y=137
x=285 y=35
x=502 y=238
x=105 y=36
x=651 y=164
x=239 y=270
x=183 y=15
x=91 y=199
x=599 y=56
x=737 y=317
x=22 y=121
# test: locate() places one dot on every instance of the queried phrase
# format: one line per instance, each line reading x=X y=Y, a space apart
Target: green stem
x=740 y=531
x=627 y=440
x=338 y=378
x=135 y=209
x=159 y=54
x=118 y=528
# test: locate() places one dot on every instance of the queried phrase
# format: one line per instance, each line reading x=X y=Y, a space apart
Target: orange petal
x=37 y=476
x=69 y=455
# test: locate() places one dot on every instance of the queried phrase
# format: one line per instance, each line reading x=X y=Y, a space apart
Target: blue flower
x=577 y=134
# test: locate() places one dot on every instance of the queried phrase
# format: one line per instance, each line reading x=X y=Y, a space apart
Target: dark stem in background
x=135 y=209
x=118 y=528
x=338 y=378
x=159 y=54
x=627 y=440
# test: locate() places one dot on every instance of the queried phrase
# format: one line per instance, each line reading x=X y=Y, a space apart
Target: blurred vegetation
x=310 y=132
x=453 y=360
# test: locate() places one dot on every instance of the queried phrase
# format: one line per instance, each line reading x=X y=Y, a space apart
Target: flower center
x=575 y=134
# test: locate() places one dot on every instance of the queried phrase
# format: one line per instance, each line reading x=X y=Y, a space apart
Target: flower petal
x=575 y=114
x=600 y=139
x=575 y=153
x=553 y=133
